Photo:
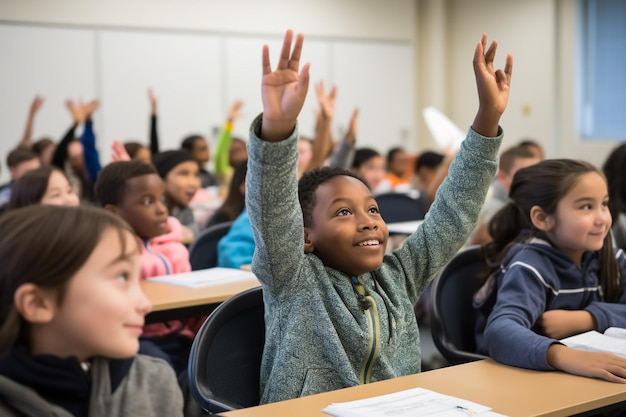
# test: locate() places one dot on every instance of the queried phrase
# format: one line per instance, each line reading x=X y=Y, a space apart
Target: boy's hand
x=493 y=88
x=283 y=91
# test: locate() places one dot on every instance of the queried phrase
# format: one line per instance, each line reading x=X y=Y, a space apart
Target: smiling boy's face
x=347 y=232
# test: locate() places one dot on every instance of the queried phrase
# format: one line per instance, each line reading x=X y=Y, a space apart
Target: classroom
x=168 y=77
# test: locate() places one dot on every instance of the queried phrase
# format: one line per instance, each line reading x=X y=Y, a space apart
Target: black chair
x=203 y=251
x=452 y=314
x=225 y=359
x=398 y=207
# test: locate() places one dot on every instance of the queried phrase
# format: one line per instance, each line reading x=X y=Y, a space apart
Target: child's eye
x=586 y=207
x=147 y=201
x=123 y=277
x=373 y=210
x=605 y=204
x=343 y=212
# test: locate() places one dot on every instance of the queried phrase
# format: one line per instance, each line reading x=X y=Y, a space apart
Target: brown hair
x=42 y=245
x=31 y=187
x=544 y=185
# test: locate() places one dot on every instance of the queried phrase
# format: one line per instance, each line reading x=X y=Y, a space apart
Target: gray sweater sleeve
x=452 y=216
x=273 y=207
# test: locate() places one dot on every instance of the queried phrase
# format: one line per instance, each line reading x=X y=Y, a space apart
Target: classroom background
x=199 y=57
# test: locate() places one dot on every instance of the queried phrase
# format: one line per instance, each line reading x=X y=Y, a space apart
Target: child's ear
x=34 y=304
x=540 y=219
x=309 y=247
x=111 y=208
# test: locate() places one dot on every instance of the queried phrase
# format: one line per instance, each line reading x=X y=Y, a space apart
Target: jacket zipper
x=374 y=334
x=168 y=270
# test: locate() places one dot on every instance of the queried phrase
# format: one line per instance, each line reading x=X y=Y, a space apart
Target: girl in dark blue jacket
x=554 y=274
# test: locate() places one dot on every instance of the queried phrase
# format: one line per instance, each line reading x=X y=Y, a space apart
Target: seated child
x=44 y=185
x=179 y=172
x=339 y=312
x=555 y=272
x=71 y=313
x=134 y=191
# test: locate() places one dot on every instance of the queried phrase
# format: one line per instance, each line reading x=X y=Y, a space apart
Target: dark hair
x=31 y=187
x=614 y=171
x=19 y=155
x=429 y=159
x=190 y=141
x=530 y=143
x=508 y=157
x=362 y=155
x=310 y=181
x=544 y=185
x=132 y=148
x=392 y=154
x=41 y=244
x=110 y=186
x=235 y=201
x=41 y=145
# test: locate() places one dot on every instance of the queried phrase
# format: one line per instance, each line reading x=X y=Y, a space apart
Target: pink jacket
x=164 y=255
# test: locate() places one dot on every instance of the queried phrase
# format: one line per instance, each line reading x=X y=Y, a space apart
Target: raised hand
x=326 y=101
x=90 y=107
x=76 y=110
x=284 y=90
x=235 y=111
x=119 y=152
x=153 y=101
x=36 y=105
x=493 y=87
x=353 y=127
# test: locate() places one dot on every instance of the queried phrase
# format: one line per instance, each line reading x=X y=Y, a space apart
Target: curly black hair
x=310 y=181
x=110 y=186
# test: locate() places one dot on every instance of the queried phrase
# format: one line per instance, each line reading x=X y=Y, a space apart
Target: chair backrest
x=398 y=207
x=203 y=251
x=225 y=359
x=452 y=315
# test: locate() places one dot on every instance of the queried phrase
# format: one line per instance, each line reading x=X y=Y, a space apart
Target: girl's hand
x=591 y=364
x=493 y=88
x=118 y=152
x=558 y=324
x=327 y=102
x=283 y=91
x=153 y=101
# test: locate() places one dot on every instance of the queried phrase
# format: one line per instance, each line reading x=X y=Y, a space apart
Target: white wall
x=199 y=57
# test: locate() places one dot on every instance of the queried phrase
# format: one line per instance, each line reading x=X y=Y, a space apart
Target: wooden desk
x=507 y=390
x=170 y=302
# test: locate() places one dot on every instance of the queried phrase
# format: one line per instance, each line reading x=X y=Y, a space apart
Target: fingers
x=333 y=93
x=491 y=53
x=303 y=79
x=283 y=62
x=266 y=60
x=319 y=89
x=508 y=68
x=294 y=61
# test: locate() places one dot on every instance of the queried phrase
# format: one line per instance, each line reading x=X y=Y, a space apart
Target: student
x=398 y=168
x=44 y=185
x=338 y=312
x=179 y=172
x=614 y=171
x=135 y=192
x=533 y=146
x=19 y=161
x=71 y=312
x=370 y=165
x=555 y=272
x=510 y=162
x=229 y=151
x=198 y=147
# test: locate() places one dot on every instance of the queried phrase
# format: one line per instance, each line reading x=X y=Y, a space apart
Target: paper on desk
x=410 y=403
x=613 y=340
x=205 y=277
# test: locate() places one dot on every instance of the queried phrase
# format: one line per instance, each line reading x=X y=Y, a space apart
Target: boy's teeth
x=369 y=243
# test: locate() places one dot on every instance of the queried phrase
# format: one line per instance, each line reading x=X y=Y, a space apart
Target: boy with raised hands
x=339 y=312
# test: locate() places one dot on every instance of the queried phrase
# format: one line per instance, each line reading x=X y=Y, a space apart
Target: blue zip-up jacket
x=318 y=336
x=536 y=277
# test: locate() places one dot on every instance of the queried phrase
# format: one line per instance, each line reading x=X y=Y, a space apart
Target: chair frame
x=243 y=359
x=469 y=258
x=198 y=256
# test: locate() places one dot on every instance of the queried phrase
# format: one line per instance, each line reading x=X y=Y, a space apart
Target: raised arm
x=343 y=155
x=222 y=165
x=88 y=139
x=27 y=138
x=78 y=116
x=453 y=214
x=322 y=141
x=154 y=134
x=271 y=184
